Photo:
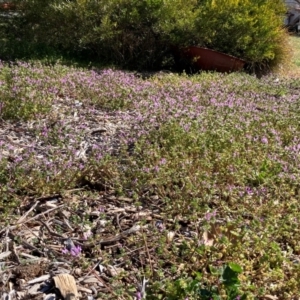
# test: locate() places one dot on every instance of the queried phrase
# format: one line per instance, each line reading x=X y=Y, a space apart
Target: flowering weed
x=216 y=155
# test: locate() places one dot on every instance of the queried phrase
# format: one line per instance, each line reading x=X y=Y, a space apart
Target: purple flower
x=249 y=191
x=87 y=234
x=101 y=209
x=65 y=251
x=156 y=169
x=138 y=296
x=209 y=216
x=75 y=251
x=162 y=161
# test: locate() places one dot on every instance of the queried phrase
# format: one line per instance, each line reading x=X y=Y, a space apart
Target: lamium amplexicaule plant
x=220 y=152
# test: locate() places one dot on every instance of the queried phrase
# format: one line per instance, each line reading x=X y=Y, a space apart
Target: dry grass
x=295 y=40
x=292 y=68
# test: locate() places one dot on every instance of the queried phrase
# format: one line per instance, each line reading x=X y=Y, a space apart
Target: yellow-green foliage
x=250 y=29
x=138 y=33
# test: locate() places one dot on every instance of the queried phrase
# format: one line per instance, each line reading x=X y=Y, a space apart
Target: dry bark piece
x=91 y=279
x=85 y=290
x=271 y=297
x=5 y=254
x=113 y=271
x=67 y=286
x=125 y=199
x=34 y=290
x=98 y=130
x=4 y=277
x=142 y=214
x=21 y=295
x=39 y=279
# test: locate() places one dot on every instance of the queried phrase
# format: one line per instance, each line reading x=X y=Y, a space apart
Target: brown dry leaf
x=5 y=254
x=85 y=290
x=34 y=289
x=31 y=234
x=125 y=199
x=91 y=279
x=180 y=268
x=142 y=214
x=39 y=279
x=113 y=271
x=67 y=286
x=170 y=236
x=208 y=238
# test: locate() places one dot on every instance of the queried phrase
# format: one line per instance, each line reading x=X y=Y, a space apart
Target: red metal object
x=211 y=60
x=7 y=6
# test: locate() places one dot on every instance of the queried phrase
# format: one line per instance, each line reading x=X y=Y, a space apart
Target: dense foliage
x=140 y=33
x=246 y=28
x=216 y=156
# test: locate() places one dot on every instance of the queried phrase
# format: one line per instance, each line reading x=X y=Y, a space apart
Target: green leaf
x=235 y=267
x=229 y=277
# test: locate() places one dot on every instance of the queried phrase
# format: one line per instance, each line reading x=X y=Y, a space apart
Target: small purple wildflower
x=87 y=234
x=209 y=216
x=162 y=161
x=101 y=209
x=138 y=296
x=65 y=251
x=156 y=169
x=75 y=251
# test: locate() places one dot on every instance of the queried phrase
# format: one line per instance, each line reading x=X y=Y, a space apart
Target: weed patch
x=190 y=182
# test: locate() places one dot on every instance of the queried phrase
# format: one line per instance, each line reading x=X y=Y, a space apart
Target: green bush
x=123 y=32
x=140 y=33
x=23 y=33
x=249 y=29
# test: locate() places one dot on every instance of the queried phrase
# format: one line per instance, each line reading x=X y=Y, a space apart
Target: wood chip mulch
x=46 y=242
x=78 y=244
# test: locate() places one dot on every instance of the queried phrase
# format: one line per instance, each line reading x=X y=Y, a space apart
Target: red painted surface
x=211 y=60
x=7 y=6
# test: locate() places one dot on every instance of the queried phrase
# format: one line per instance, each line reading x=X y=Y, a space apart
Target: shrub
x=24 y=32
x=131 y=33
x=250 y=29
x=138 y=33
x=111 y=31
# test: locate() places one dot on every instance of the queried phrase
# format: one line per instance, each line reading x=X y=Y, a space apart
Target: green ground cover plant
x=213 y=157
